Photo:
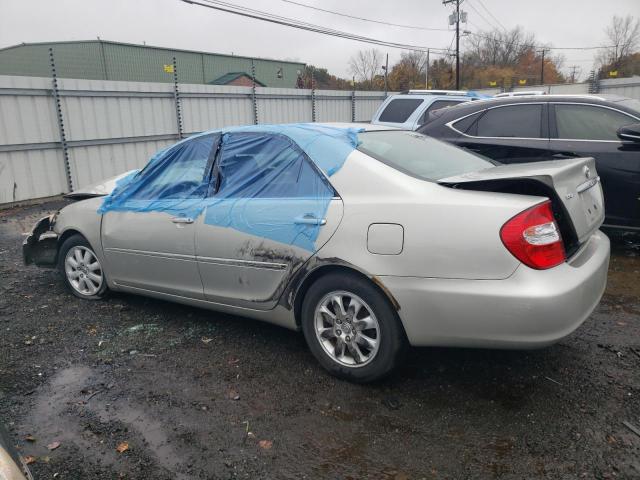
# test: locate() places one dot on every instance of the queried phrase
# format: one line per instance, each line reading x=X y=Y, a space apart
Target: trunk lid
x=573 y=186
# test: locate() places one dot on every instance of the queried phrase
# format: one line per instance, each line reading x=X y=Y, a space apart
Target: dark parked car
x=547 y=127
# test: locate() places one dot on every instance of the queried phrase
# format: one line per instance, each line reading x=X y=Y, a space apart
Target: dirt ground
x=196 y=394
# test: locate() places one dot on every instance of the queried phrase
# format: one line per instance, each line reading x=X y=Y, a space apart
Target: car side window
x=399 y=110
x=438 y=104
x=468 y=125
x=178 y=173
x=522 y=121
x=589 y=122
x=267 y=166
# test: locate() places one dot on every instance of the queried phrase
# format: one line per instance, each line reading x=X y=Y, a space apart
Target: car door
x=270 y=211
x=149 y=239
x=512 y=133
x=589 y=130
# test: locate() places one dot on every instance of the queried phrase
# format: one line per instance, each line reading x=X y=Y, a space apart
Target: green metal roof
x=106 y=60
x=231 y=76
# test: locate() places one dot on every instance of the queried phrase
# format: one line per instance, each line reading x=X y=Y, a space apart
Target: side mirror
x=629 y=132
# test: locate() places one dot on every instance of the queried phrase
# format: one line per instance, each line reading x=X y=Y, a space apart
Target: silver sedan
x=367 y=239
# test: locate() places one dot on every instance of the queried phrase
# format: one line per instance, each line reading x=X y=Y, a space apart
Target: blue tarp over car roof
x=264 y=184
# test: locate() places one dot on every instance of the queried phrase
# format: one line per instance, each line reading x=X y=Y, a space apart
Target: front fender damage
x=40 y=247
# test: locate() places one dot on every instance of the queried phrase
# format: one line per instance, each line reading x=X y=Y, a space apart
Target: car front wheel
x=81 y=270
x=351 y=328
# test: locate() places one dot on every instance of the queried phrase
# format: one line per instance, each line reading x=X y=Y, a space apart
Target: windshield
x=418 y=155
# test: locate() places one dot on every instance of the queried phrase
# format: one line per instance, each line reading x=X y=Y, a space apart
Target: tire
x=326 y=328
x=77 y=265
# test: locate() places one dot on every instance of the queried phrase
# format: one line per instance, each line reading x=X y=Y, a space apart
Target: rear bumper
x=531 y=308
x=41 y=245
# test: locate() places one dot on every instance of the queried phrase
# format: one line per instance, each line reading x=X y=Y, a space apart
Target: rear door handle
x=309 y=220
x=182 y=220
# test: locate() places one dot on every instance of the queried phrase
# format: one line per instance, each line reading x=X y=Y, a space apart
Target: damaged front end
x=41 y=245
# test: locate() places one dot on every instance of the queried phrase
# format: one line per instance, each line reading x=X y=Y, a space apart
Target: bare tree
x=365 y=64
x=623 y=35
x=498 y=47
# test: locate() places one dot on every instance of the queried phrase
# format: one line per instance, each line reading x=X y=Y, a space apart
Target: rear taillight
x=533 y=237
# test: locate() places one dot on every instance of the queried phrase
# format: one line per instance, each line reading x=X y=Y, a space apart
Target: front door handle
x=182 y=220
x=309 y=220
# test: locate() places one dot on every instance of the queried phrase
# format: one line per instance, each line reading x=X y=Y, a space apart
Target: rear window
x=418 y=155
x=437 y=105
x=399 y=110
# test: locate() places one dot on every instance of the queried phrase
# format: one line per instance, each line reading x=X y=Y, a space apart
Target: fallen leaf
x=122 y=447
x=265 y=444
x=233 y=395
x=53 y=446
x=29 y=459
x=206 y=340
x=30 y=438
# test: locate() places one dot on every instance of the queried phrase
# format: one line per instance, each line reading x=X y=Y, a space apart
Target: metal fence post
x=254 y=100
x=176 y=97
x=594 y=82
x=313 y=97
x=353 y=103
x=63 y=137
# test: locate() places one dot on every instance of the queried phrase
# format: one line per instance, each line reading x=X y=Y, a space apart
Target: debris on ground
x=631 y=427
x=265 y=444
x=122 y=447
x=53 y=445
x=391 y=402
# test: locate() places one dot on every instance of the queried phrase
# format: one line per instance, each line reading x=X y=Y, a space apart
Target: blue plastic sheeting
x=478 y=95
x=262 y=183
x=269 y=189
x=327 y=146
x=173 y=181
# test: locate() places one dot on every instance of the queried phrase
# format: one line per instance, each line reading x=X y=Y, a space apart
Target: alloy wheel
x=83 y=270
x=347 y=329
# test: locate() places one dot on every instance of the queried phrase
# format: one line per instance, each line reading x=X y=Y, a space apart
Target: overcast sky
x=172 y=23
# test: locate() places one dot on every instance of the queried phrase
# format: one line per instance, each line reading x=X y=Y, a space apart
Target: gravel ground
x=195 y=394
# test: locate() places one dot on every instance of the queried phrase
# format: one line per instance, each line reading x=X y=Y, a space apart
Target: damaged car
x=366 y=238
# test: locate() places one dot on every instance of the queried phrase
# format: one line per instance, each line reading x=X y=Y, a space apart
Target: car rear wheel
x=351 y=328
x=81 y=270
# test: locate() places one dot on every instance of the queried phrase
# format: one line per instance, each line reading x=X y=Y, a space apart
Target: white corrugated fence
x=112 y=126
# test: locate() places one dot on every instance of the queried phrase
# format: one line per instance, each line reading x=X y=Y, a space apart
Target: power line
x=491 y=14
x=482 y=16
x=290 y=22
x=415 y=27
x=532 y=45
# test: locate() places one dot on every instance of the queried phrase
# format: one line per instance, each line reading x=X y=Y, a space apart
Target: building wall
x=101 y=60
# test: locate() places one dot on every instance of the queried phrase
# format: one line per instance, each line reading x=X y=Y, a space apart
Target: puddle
x=65 y=410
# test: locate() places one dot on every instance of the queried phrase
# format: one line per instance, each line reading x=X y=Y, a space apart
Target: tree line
x=495 y=58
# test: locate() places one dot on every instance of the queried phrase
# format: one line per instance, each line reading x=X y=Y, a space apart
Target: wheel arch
x=323 y=270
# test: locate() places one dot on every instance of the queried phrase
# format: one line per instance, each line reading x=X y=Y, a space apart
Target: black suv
x=547 y=127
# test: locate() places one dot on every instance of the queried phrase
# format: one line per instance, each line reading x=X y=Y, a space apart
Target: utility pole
x=426 y=73
x=573 y=73
x=456 y=18
x=457 y=44
x=542 y=68
x=386 y=71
